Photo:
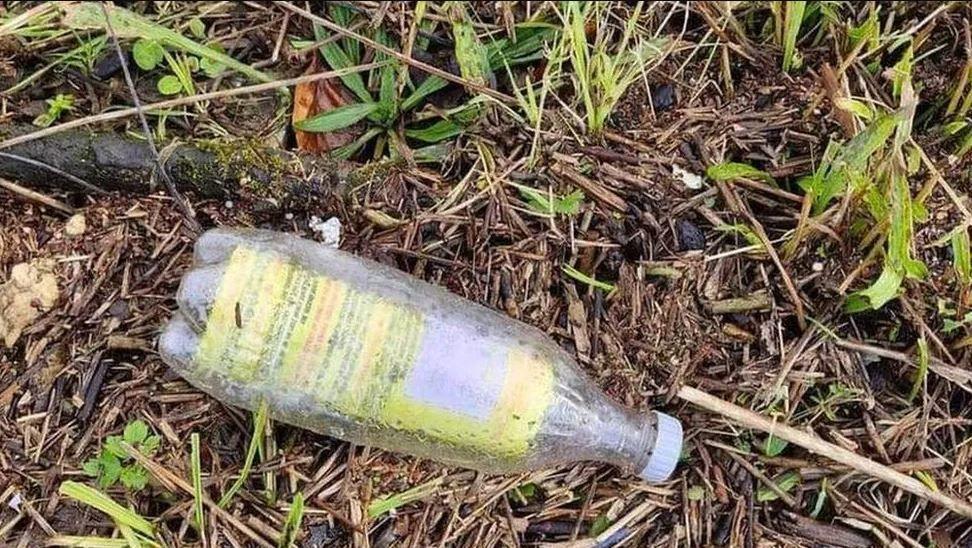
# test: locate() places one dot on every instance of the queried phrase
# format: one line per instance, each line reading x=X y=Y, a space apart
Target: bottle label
x=281 y=328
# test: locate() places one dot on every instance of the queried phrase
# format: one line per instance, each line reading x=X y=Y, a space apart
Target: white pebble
x=329 y=231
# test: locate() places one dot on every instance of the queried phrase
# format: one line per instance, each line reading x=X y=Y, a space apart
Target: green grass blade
x=292 y=525
x=338 y=118
x=428 y=86
x=962 y=256
x=259 y=424
x=438 y=131
x=922 y=372
x=338 y=59
x=585 y=279
x=383 y=505
x=98 y=500
x=792 y=20
x=728 y=171
x=127 y=24
x=197 y=490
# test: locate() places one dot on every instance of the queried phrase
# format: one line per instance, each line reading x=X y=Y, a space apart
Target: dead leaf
x=313 y=98
x=30 y=291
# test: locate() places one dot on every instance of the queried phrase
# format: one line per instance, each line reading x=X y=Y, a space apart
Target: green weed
x=57 y=106
x=585 y=279
x=197 y=490
x=549 y=204
x=127 y=24
x=787 y=481
x=113 y=464
x=962 y=256
x=123 y=517
x=387 y=101
x=260 y=419
x=729 y=171
x=602 y=73
x=292 y=525
x=381 y=506
x=792 y=20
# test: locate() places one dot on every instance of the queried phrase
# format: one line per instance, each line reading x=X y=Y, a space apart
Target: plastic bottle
x=353 y=349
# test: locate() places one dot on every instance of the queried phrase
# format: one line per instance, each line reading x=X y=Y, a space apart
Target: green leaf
x=338 y=118
x=729 y=171
x=919 y=380
x=902 y=230
x=150 y=445
x=833 y=177
x=599 y=525
x=792 y=20
x=111 y=468
x=169 y=85
x=113 y=446
x=127 y=24
x=197 y=27
x=210 y=67
x=952 y=128
x=820 y=500
x=883 y=290
x=546 y=204
x=134 y=477
x=92 y=467
x=472 y=57
x=428 y=86
x=785 y=481
x=438 y=131
x=135 y=432
x=857 y=108
x=868 y=31
x=432 y=153
x=99 y=501
x=147 y=54
x=528 y=45
x=338 y=59
x=773 y=446
x=584 y=278
x=962 y=256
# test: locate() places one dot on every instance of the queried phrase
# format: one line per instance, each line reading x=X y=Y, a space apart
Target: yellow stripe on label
x=257 y=316
x=221 y=329
x=310 y=338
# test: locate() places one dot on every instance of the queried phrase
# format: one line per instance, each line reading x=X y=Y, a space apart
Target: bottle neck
x=625 y=439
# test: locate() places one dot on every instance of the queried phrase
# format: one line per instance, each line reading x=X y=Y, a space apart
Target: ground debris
x=30 y=291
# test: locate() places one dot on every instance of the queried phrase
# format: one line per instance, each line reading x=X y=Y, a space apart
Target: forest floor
x=767 y=201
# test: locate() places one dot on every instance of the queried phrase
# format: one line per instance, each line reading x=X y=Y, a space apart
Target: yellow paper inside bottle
x=283 y=327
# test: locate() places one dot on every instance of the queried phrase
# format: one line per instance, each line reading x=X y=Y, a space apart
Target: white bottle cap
x=667 y=450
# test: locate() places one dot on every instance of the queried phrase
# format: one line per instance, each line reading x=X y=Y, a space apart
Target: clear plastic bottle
x=353 y=349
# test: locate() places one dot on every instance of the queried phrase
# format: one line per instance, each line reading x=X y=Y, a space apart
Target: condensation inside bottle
x=359 y=351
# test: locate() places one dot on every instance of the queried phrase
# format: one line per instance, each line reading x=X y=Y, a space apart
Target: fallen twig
x=812 y=443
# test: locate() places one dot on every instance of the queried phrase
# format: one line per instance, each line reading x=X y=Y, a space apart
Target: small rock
x=817 y=266
x=328 y=231
x=75 y=226
x=228 y=204
x=30 y=291
x=689 y=179
x=690 y=236
x=662 y=97
x=119 y=310
x=289 y=216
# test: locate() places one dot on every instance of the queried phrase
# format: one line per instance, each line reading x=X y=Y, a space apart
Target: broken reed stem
x=36 y=196
x=812 y=443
